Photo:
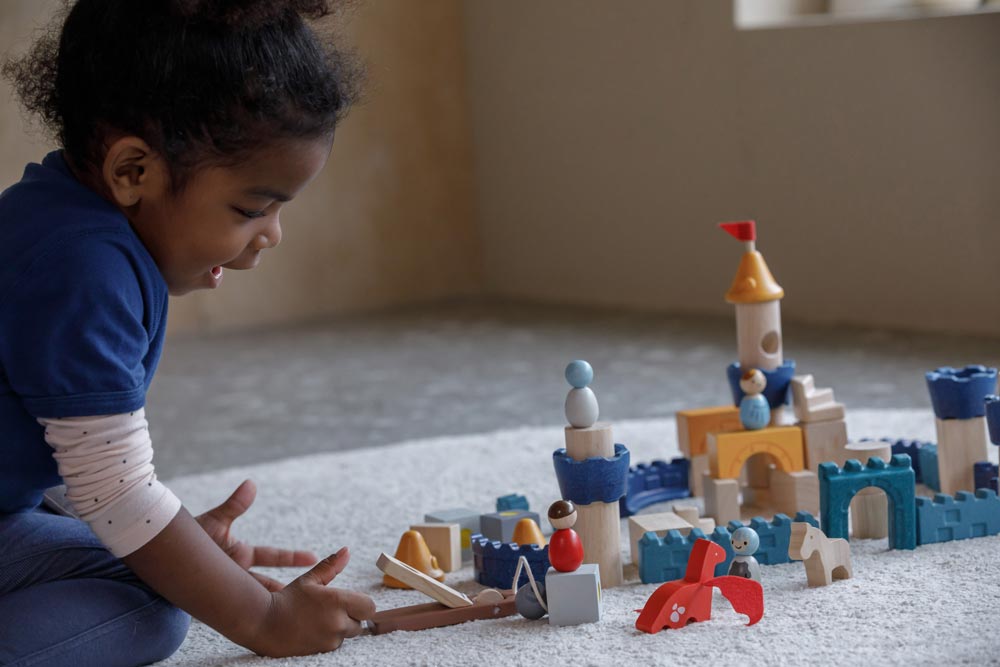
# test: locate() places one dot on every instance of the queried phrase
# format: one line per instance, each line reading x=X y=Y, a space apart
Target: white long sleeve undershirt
x=106 y=463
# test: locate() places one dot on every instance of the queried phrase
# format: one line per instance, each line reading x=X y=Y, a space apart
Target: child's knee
x=168 y=627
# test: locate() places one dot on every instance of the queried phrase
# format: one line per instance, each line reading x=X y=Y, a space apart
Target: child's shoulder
x=55 y=228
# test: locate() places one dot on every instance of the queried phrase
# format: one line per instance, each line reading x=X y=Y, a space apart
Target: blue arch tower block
x=837 y=487
x=594 y=479
x=992 y=405
x=778 y=382
x=960 y=393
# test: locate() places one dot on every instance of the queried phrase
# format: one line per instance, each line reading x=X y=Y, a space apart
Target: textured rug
x=936 y=605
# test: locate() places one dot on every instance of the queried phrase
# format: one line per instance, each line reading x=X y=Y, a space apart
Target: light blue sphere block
x=579 y=374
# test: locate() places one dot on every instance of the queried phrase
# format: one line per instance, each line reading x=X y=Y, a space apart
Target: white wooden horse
x=825 y=559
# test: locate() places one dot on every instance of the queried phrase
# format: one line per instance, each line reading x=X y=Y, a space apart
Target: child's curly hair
x=201 y=81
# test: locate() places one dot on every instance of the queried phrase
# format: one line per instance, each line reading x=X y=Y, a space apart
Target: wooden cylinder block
x=758 y=335
x=598 y=524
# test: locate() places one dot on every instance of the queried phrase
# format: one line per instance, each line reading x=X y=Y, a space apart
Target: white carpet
x=936 y=605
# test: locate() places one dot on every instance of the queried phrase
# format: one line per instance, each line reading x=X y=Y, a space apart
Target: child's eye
x=249 y=214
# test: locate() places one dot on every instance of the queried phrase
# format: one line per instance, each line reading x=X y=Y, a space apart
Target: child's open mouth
x=216 y=274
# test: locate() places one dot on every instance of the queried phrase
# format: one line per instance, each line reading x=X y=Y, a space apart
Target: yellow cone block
x=527 y=532
x=413 y=551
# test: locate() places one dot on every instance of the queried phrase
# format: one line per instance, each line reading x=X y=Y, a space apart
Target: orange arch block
x=728 y=451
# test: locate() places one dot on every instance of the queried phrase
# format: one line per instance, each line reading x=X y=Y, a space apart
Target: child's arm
x=185 y=566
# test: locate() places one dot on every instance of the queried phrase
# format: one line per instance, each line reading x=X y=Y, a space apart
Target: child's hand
x=306 y=617
x=217 y=523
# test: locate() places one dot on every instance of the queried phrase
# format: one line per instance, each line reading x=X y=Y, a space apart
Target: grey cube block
x=574 y=597
x=499 y=526
x=467 y=519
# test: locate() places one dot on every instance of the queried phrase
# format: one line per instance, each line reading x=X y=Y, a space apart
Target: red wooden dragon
x=689 y=600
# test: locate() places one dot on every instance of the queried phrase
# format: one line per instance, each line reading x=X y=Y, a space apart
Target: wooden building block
x=825 y=441
x=812 y=404
x=699 y=466
x=694 y=425
x=574 y=597
x=722 y=499
x=488 y=604
x=869 y=514
x=793 y=492
x=758 y=470
x=598 y=524
x=728 y=451
x=466 y=518
x=417 y=580
x=640 y=524
x=691 y=514
x=961 y=443
x=445 y=542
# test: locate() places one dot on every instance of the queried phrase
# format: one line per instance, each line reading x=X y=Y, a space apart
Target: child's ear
x=132 y=171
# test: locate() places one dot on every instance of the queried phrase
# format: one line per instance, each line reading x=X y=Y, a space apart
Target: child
x=184 y=126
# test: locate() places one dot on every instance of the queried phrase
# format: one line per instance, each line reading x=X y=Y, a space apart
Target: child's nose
x=270 y=237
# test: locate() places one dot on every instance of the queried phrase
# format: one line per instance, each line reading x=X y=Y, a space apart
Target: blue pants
x=65 y=600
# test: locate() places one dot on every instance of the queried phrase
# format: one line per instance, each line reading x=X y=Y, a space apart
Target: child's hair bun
x=248 y=13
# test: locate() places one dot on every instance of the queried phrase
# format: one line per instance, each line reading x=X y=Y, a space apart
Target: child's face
x=225 y=216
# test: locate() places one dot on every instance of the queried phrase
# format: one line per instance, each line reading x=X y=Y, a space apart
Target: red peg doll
x=565 y=547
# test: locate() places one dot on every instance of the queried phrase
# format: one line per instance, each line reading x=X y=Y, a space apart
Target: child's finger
x=358 y=606
x=327 y=569
x=238 y=502
x=274 y=557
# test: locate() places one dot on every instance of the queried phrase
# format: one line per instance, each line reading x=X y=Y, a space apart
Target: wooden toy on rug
x=527 y=531
x=592 y=471
x=565 y=548
x=837 y=486
x=745 y=543
x=530 y=599
x=870 y=507
x=755 y=413
x=689 y=600
x=512 y=501
x=445 y=542
x=466 y=518
x=417 y=580
x=574 y=597
x=826 y=559
x=488 y=604
x=452 y=607
x=499 y=526
x=415 y=554
x=958 y=396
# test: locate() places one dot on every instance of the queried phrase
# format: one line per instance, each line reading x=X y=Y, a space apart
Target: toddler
x=184 y=127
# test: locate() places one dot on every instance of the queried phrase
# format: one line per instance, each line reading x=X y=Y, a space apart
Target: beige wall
x=389 y=219
x=610 y=137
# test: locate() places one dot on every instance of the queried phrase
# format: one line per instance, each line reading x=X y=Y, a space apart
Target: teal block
x=967 y=515
x=837 y=487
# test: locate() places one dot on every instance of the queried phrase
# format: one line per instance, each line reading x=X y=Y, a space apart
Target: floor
x=368 y=380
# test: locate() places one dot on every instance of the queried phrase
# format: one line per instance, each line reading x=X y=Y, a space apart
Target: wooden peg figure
x=565 y=547
x=745 y=543
x=755 y=413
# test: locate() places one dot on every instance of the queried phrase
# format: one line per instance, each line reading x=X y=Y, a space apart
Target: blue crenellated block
x=837 y=487
x=495 y=562
x=778 y=382
x=960 y=393
x=656 y=482
x=665 y=559
x=911 y=448
x=985 y=474
x=992 y=405
x=929 y=466
x=594 y=479
x=960 y=518
x=512 y=501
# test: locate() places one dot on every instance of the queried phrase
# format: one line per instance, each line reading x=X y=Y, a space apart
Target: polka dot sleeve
x=106 y=463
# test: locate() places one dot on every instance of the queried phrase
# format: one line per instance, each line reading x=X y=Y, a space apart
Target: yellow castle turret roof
x=753 y=282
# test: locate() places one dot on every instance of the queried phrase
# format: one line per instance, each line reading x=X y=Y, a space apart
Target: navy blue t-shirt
x=83 y=311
